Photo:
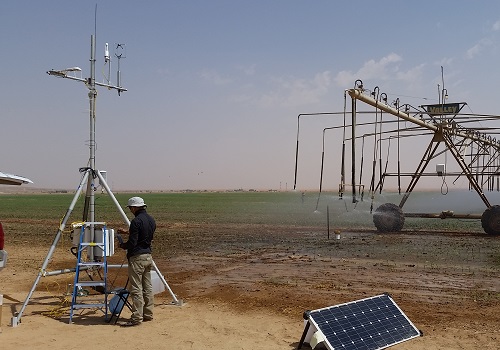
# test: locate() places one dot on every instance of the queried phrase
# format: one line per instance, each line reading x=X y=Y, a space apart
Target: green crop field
x=205 y=207
x=42 y=213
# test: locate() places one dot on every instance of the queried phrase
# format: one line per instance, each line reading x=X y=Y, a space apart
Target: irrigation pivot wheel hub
x=490 y=220
x=388 y=218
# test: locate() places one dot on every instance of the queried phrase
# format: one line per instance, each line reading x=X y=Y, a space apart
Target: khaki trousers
x=141 y=289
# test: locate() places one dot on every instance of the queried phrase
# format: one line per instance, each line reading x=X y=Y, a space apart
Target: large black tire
x=490 y=220
x=388 y=218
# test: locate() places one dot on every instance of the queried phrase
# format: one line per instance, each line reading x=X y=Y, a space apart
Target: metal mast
x=90 y=173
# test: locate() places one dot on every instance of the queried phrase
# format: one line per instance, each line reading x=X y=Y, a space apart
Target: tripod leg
x=103 y=182
x=108 y=190
x=176 y=301
x=41 y=273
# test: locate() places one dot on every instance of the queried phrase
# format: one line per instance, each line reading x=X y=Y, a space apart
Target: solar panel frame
x=367 y=324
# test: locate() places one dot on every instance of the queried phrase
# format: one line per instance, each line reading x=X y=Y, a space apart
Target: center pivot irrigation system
x=472 y=151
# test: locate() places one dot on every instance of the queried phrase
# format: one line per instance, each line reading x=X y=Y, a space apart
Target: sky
x=215 y=87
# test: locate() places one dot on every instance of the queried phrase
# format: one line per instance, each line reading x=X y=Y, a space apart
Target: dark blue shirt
x=141 y=231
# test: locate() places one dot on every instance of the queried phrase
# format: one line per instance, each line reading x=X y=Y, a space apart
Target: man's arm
x=121 y=243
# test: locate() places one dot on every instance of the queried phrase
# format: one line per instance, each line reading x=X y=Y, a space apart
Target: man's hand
x=122 y=231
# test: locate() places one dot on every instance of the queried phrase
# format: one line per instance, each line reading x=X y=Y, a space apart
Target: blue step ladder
x=96 y=252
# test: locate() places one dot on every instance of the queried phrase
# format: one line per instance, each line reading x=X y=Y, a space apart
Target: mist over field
x=295 y=208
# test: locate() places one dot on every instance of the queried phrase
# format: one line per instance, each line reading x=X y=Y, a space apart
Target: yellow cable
x=57 y=312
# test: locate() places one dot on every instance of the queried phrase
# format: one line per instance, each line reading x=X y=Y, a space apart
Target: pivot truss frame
x=475 y=151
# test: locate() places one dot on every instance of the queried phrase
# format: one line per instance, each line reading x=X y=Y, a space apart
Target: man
x=138 y=247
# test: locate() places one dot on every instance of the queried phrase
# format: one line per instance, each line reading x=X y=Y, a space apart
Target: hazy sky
x=215 y=87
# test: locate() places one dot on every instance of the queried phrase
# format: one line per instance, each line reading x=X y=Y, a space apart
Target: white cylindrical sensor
x=106 y=53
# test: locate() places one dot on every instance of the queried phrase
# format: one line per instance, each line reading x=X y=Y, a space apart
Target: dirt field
x=246 y=287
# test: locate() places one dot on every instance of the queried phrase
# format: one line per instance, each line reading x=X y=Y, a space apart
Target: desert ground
x=247 y=286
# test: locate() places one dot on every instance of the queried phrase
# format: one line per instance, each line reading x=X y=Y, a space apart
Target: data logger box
x=440 y=169
x=99 y=236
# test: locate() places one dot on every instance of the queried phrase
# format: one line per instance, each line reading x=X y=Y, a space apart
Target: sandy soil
x=246 y=287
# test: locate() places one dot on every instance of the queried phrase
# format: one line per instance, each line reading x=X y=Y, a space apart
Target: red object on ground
x=2 y=237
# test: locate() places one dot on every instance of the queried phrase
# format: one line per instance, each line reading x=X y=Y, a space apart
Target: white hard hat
x=136 y=202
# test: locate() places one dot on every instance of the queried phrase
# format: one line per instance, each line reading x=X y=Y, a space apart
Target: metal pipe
x=296 y=154
x=353 y=150
x=443 y=215
x=297 y=146
x=321 y=176
x=358 y=95
x=92 y=97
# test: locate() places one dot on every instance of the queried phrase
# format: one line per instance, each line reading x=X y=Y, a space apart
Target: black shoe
x=147 y=319
x=130 y=324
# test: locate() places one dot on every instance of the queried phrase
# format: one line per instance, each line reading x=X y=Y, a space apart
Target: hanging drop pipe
x=374 y=93
x=296 y=154
x=342 y=172
x=482 y=167
x=472 y=160
x=380 y=169
x=321 y=171
x=320 y=179
x=478 y=157
x=488 y=179
x=398 y=147
x=361 y=165
x=342 y=166
x=353 y=150
x=297 y=146
x=383 y=98
x=342 y=186
x=498 y=177
x=386 y=163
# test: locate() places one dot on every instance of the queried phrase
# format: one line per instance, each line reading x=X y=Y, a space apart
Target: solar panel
x=366 y=324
